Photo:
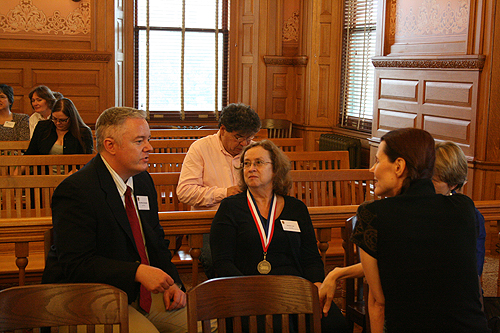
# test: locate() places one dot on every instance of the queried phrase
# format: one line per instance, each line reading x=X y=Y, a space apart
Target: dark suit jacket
x=92 y=235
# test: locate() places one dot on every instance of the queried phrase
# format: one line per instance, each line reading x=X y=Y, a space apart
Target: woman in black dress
x=418 y=248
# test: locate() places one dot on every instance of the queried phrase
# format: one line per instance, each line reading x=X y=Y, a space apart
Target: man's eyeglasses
x=241 y=139
x=257 y=163
x=62 y=121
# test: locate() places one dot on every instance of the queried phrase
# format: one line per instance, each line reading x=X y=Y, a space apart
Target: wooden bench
x=182 y=145
x=26 y=196
x=171 y=145
x=192 y=133
x=13 y=147
x=166 y=184
x=30 y=196
x=332 y=187
x=21 y=232
x=289 y=144
x=318 y=160
x=41 y=164
x=165 y=162
x=62 y=164
x=307 y=160
x=166 y=189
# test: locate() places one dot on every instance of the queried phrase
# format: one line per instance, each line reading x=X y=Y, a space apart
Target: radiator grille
x=332 y=141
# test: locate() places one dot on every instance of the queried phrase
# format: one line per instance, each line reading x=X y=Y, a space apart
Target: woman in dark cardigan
x=64 y=133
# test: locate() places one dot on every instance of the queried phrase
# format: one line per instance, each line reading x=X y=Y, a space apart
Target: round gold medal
x=264 y=267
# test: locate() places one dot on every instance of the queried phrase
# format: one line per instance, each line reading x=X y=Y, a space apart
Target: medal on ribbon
x=265 y=232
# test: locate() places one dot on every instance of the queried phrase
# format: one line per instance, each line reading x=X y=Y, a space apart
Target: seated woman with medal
x=262 y=230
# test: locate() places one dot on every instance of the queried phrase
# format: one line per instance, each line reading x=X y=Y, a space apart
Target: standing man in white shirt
x=208 y=172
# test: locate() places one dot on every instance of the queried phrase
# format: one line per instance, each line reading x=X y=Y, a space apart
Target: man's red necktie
x=145 y=295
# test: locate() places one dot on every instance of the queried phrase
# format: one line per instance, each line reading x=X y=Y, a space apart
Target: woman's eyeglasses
x=62 y=121
x=258 y=164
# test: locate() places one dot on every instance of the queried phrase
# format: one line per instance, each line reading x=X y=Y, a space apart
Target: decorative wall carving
x=26 y=17
x=477 y=62
x=291 y=28
x=285 y=61
x=57 y=56
x=430 y=18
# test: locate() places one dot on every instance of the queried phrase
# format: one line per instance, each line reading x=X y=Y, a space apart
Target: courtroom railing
x=23 y=231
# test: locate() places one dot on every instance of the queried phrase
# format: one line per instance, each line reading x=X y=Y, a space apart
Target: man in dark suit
x=96 y=238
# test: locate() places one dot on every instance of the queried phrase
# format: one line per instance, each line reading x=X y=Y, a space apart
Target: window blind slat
x=357 y=70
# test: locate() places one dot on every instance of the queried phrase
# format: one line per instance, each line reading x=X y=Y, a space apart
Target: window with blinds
x=181 y=57
x=360 y=21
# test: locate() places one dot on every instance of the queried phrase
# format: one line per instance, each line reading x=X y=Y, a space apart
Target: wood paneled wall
x=434 y=71
x=286 y=61
x=64 y=45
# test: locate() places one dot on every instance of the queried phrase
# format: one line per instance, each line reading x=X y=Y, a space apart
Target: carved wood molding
x=486 y=165
x=465 y=62
x=285 y=61
x=57 y=56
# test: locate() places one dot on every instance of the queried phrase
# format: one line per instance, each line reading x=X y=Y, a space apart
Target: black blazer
x=45 y=136
x=92 y=235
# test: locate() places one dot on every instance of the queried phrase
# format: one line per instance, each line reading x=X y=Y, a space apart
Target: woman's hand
x=327 y=289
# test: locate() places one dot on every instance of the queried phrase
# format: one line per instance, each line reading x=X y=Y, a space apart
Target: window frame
x=358 y=122
x=199 y=115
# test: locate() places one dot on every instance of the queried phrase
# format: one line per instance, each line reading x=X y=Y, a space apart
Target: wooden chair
x=56 y=305
x=27 y=196
x=277 y=128
x=319 y=160
x=356 y=290
x=252 y=296
x=166 y=162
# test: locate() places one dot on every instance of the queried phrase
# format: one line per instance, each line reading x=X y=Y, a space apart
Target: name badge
x=142 y=202
x=290 y=225
x=9 y=124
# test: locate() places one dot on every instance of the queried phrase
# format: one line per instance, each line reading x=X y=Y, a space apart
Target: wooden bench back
x=43 y=164
x=65 y=163
x=13 y=147
x=319 y=160
x=166 y=189
x=171 y=145
x=27 y=196
x=166 y=162
x=192 y=133
x=181 y=133
x=333 y=187
x=289 y=144
x=30 y=196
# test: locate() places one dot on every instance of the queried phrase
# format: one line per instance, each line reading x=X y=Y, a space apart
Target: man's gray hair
x=110 y=121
